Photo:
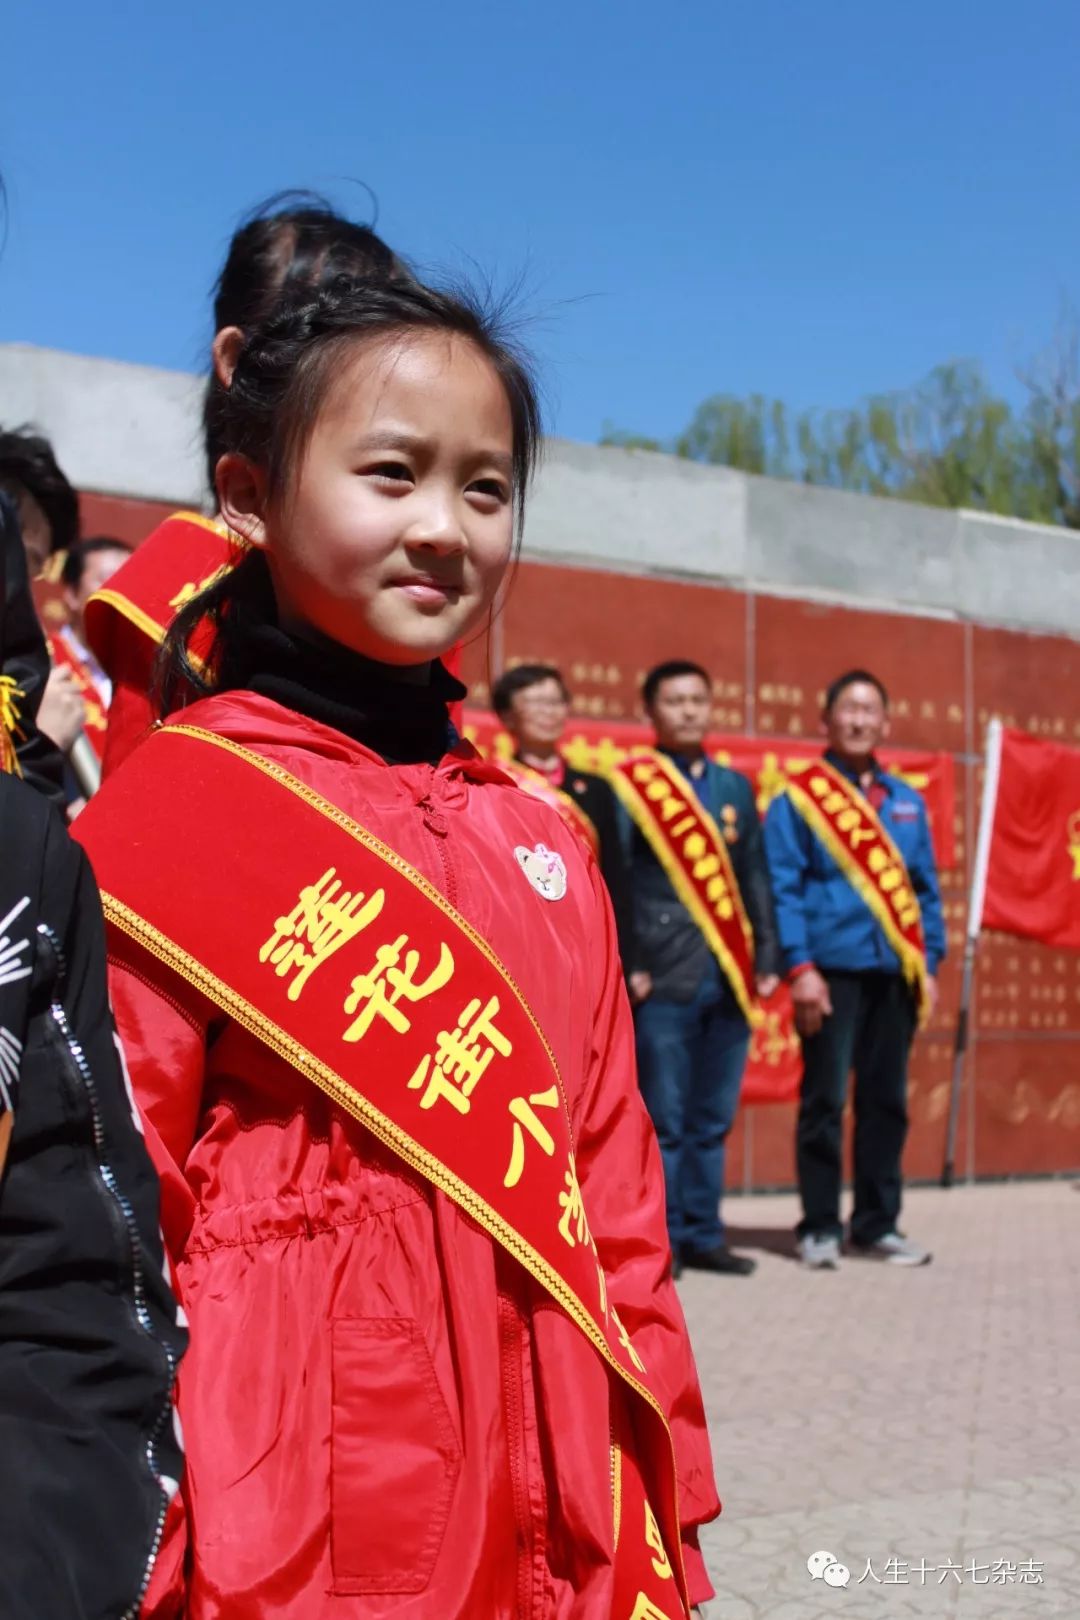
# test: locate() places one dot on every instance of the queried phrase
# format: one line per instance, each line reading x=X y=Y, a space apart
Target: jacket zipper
x=511 y=1327
x=123 y=1220
x=437 y=824
x=511 y=1351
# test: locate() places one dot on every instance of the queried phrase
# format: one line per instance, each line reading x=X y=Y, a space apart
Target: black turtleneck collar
x=404 y=723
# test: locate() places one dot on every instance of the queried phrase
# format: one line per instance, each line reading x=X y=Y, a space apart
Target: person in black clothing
x=48 y=513
x=89 y=1336
x=533 y=703
x=692 y=1037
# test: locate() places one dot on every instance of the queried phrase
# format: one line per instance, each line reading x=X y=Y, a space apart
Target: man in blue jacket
x=692 y=1038
x=854 y=1007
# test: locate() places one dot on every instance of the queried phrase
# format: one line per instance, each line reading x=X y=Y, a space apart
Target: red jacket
x=351 y=1325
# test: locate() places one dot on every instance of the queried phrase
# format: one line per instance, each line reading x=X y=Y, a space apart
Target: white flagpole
x=971 y=943
x=84 y=763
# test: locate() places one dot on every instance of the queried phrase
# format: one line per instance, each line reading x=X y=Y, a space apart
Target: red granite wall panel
x=772 y=1142
x=604 y=631
x=128 y=520
x=799 y=647
x=1028 y=681
x=1027 y=1105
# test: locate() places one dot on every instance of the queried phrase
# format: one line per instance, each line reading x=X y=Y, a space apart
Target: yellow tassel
x=9 y=724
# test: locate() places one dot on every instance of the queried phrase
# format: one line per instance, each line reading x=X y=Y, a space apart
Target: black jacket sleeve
x=89 y=1340
x=753 y=875
x=26 y=660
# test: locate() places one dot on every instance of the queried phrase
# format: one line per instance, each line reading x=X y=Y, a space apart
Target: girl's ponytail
x=240 y=598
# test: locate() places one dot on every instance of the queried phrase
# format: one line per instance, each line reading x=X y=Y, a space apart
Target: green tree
x=949 y=441
x=1052 y=420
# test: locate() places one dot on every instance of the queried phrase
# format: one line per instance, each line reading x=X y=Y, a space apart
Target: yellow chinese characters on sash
x=844 y=820
x=693 y=852
x=326 y=945
x=564 y=803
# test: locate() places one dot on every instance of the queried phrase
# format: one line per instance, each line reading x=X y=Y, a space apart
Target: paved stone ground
x=874 y=1413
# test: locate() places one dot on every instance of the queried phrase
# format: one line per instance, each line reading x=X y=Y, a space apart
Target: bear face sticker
x=545 y=870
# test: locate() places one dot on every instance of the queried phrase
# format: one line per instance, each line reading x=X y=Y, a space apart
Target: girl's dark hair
x=28 y=462
x=292 y=244
x=283 y=374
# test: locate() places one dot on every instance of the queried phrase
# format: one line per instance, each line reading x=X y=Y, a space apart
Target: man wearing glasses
x=533 y=703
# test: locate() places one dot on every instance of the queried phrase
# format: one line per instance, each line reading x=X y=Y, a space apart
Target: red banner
x=774 y=1067
x=597 y=745
x=1033 y=877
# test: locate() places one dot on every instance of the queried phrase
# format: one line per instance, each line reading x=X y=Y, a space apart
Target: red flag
x=1033 y=871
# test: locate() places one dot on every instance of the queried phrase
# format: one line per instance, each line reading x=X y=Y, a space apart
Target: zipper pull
x=434 y=820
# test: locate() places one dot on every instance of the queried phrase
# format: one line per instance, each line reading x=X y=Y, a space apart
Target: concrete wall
x=117 y=429
x=134 y=431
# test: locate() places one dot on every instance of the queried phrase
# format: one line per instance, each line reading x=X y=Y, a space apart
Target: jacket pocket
x=395 y=1457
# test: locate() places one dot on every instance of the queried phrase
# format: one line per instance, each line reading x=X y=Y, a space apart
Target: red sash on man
x=95 y=723
x=352 y=967
x=844 y=820
x=693 y=852
x=536 y=783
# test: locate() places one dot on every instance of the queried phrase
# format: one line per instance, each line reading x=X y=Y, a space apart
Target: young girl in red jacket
x=371 y=999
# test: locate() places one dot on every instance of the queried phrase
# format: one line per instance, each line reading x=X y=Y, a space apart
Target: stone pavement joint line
x=927 y=1415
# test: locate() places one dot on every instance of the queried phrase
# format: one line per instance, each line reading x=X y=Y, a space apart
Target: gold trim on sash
x=565 y=805
x=693 y=852
x=842 y=818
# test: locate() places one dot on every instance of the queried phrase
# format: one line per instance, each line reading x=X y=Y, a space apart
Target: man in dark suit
x=693 y=1036
x=533 y=703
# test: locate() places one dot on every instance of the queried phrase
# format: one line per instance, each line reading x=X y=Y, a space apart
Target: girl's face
x=394 y=535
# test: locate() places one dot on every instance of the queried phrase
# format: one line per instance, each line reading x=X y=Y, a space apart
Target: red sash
x=693 y=852
x=96 y=722
x=845 y=821
x=348 y=964
x=183 y=556
x=565 y=804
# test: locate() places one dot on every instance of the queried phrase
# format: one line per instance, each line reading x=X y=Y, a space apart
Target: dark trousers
x=870 y=1031
x=691 y=1056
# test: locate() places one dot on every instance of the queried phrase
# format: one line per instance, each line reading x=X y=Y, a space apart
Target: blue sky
x=812 y=201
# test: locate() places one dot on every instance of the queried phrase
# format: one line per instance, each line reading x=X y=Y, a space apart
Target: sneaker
x=896 y=1249
x=720 y=1259
x=820 y=1253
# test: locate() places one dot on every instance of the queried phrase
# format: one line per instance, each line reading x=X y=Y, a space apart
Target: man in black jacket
x=533 y=703
x=692 y=1036
x=89 y=1336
